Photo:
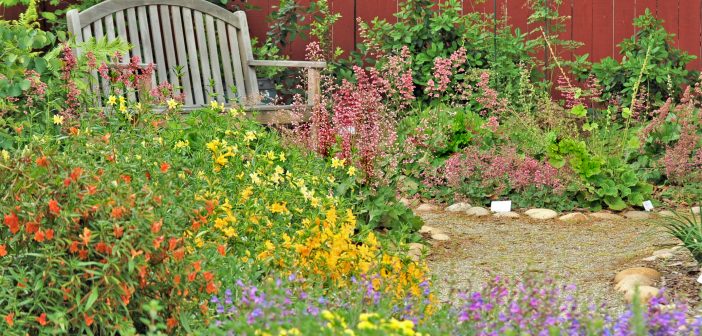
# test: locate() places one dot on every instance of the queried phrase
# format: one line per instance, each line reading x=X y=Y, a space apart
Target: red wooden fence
x=600 y=24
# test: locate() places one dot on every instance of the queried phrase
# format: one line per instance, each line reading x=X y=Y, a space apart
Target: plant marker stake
x=501 y=206
x=648 y=205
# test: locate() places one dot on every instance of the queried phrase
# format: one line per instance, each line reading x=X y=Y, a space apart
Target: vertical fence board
x=624 y=10
x=519 y=13
x=257 y=18
x=602 y=29
x=344 y=30
x=690 y=29
x=668 y=12
x=582 y=26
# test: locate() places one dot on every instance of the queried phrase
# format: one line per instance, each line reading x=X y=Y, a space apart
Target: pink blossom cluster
x=398 y=71
x=443 y=72
x=130 y=75
x=490 y=99
x=163 y=92
x=72 y=95
x=37 y=88
x=500 y=169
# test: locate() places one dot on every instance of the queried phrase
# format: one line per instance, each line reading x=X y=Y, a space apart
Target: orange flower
x=118 y=231
x=197 y=265
x=179 y=254
x=118 y=212
x=92 y=190
x=54 y=207
x=85 y=236
x=73 y=131
x=156 y=226
x=126 y=178
x=42 y=319
x=222 y=249
x=10 y=319
x=39 y=236
x=106 y=138
x=171 y=322
x=31 y=227
x=49 y=233
x=88 y=319
x=208 y=276
x=12 y=222
x=42 y=161
x=211 y=288
x=3 y=250
x=76 y=173
x=74 y=247
x=164 y=167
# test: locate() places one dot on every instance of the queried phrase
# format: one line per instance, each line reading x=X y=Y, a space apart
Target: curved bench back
x=211 y=45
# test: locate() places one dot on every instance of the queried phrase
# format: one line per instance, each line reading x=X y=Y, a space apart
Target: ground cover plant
x=120 y=219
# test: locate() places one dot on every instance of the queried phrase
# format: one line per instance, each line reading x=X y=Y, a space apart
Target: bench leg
x=313 y=86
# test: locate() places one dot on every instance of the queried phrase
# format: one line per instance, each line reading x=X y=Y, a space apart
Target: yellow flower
x=182 y=144
x=279 y=169
x=122 y=100
x=327 y=315
x=352 y=171
x=367 y=316
x=331 y=179
x=278 y=207
x=336 y=163
x=216 y=106
x=365 y=325
x=229 y=232
x=199 y=242
x=281 y=156
x=122 y=107
x=254 y=178
x=250 y=136
x=58 y=119
x=172 y=104
x=213 y=145
x=5 y=155
x=112 y=100
x=270 y=155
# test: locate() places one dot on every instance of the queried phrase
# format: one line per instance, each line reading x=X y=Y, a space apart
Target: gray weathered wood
x=288 y=64
x=157 y=40
x=209 y=44
x=237 y=64
x=122 y=31
x=99 y=82
x=214 y=58
x=74 y=27
x=227 y=71
x=145 y=36
x=134 y=33
x=198 y=92
x=246 y=52
x=205 y=70
x=169 y=46
x=98 y=11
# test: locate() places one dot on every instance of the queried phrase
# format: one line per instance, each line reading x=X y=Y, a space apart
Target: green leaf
x=91 y=299
x=630 y=179
x=626 y=113
x=579 y=111
x=615 y=203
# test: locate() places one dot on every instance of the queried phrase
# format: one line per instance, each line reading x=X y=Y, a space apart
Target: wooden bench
x=210 y=45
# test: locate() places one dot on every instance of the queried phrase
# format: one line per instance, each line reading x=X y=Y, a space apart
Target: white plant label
x=700 y=279
x=648 y=205
x=501 y=206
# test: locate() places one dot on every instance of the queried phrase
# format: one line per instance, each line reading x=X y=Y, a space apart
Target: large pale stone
x=696 y=210
x=637 y=215
x=573 y=217
x=630 y=281
x=477 y=212
x=605 y=215
x=426 y=207
x=664 y=253
x=510 y=214
x=440 y=236
x=405 y=201
x=645 y=271
x=458 y=207
x=542 y=214
x=426 y=229
x=646 y=293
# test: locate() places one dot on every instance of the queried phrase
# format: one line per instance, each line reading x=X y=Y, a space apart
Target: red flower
x=66 y=182
x=3 y=250
x=76 y=173
x=85 y=236
x=118 y=231
x=156 y=226
x=10 y=319
x=92 y=190
x=42 y=161
x=49 y=234
x=39 y=236
x=164 y=167
x=118 y=212
x=222 y=249
x=31 y=227
x=88 y=319
x=12 y=222
x=211 y=288
x=54 y=207
x=74 y=247
x=42 y=319
x=171 y=322
x=208 y=276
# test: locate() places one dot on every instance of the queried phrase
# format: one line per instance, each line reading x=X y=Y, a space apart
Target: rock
x=426 y=229
x=645 y=271
x=637 y=215
x=405 y=201
x=477 y=212
x=696 y=210
x=440 y=236
x=664 y=253
x=542 y=214
x=458 y=207
x=666 y=213
x=416 y=250
x=646 y=293
x=426 y=207
x=573 y=217
x=605 y=215
x=510 y=214
x=630 y=281
x=651 y=258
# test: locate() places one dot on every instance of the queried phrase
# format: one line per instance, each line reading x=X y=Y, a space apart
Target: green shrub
x=688 y=229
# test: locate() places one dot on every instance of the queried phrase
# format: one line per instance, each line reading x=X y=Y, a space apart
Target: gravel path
x=586 y=254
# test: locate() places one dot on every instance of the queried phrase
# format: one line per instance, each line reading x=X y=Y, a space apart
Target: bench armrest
x=288 y=64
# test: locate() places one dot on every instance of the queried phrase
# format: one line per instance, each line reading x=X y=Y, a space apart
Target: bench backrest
x=209 y=43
